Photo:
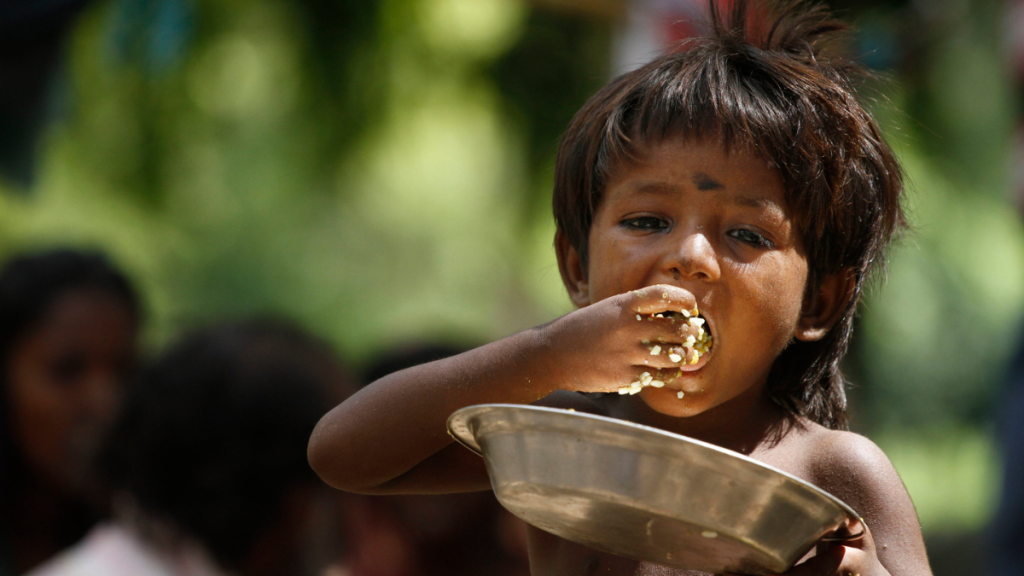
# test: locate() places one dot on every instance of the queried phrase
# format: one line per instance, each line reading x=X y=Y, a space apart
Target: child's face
x=717 y=225
x=65 y=381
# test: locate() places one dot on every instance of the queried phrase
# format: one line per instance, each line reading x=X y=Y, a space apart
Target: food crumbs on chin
x=709 y=534
x=656 y=350
x=638 y=318
x=680 y=394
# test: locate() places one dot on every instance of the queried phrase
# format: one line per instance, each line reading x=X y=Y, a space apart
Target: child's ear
x=826 y=306
x=570 y=265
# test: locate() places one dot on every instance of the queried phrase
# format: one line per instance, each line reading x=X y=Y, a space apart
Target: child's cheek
x=783 y=295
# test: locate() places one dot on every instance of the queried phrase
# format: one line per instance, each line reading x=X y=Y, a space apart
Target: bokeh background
x=380 y=171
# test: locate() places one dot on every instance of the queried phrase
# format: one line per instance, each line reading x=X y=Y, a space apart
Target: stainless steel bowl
x=645 y=493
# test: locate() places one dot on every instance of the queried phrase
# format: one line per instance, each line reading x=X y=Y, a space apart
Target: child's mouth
x=697 y=333
x=690 y=356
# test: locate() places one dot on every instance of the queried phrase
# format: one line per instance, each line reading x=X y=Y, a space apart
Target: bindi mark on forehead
x=705 y=182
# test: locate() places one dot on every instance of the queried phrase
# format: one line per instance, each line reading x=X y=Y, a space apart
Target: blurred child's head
x=763 y=86
x=68 y=325
x=211 y=441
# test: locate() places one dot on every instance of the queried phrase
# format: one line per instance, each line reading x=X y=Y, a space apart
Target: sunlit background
x=380 y=171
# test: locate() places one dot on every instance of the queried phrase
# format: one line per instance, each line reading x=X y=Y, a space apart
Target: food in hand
x=697 y=343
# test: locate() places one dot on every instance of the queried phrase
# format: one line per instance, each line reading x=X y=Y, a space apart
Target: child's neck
x=742 y=424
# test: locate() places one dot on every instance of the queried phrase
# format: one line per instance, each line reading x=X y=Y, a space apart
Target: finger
x=671 y=327
x=855 y=562
x=662 y=298
x=647 y=377
x=679 y=343
x=864 y=541
x=826 y=562
x=662 y=356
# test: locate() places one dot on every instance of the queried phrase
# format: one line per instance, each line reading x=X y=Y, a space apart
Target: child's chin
x=667 y=401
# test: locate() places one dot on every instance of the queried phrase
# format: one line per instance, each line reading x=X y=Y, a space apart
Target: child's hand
x=850 y=558
x=609 y=344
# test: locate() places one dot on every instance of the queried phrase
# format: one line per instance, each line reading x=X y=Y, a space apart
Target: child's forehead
x=706 y=163
x=641 y=149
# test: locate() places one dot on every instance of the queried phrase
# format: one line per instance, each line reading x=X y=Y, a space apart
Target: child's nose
x=695 y=258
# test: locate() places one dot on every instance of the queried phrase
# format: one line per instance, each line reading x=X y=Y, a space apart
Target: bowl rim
x=458 y=428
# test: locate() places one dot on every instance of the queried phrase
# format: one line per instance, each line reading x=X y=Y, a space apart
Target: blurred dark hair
x=763 y=82
x=214 y=433
x=29 y=285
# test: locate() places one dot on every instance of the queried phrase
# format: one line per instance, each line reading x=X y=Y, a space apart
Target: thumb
x=826 y=561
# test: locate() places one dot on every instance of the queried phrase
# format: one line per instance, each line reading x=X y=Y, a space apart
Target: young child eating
x=737 y=182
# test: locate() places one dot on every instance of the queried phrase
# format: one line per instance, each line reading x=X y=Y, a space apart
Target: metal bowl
x=645 y=493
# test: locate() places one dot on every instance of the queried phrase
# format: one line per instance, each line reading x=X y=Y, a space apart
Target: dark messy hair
x=213 y=435
x=762 y=81
x=31 y=282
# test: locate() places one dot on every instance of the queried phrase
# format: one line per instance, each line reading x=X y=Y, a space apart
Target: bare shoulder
x=855 y=470
x=848 y=463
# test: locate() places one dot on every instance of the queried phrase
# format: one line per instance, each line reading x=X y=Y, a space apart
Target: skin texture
x=687 y=225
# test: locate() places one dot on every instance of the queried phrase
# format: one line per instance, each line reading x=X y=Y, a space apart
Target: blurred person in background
x=467 y=534
x=207 y=462
x=68 y=326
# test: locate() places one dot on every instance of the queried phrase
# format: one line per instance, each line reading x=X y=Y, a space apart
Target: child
x=739 y=178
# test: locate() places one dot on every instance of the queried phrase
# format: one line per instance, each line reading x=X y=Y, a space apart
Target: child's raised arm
x=390 y=437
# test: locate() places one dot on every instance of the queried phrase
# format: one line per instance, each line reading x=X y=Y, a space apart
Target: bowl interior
x=645 y=493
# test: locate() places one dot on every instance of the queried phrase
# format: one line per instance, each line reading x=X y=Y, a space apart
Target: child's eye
x=750 y=237
x=644 y=223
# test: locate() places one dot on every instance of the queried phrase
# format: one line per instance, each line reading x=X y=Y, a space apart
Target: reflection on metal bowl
x=645 y=493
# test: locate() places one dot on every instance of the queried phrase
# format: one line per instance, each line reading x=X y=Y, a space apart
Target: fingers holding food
x=683 y=338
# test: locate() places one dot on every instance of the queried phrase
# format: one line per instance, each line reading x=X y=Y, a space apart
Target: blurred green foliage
x=380 y=171
x=357 y=166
